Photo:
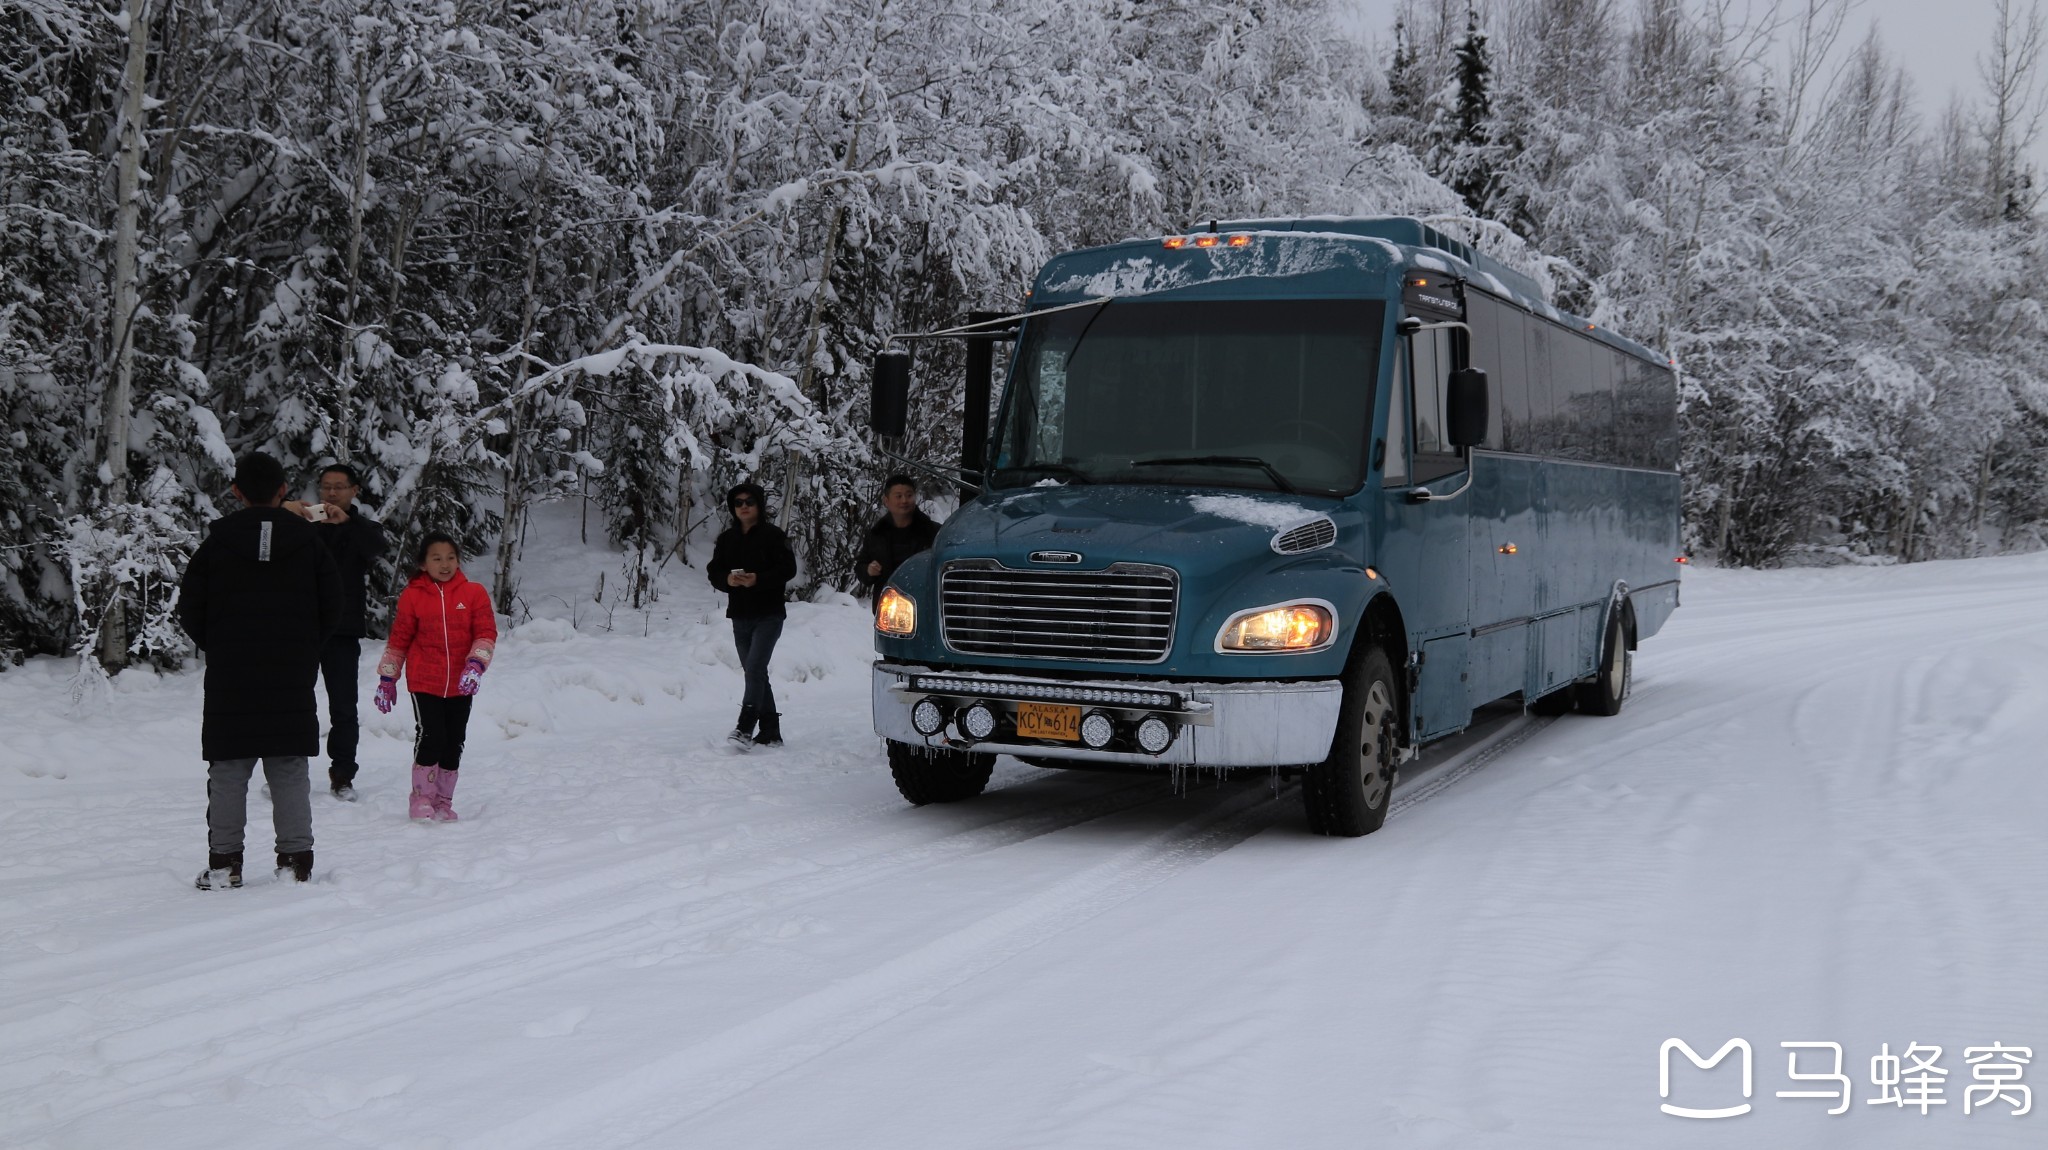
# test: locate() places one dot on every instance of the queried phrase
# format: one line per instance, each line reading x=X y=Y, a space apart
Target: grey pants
x=227 y=802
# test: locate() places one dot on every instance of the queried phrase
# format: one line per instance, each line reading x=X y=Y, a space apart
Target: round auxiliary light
x=928 y=717
x=1154 y=734
x=1097 y=730
x=979 y=721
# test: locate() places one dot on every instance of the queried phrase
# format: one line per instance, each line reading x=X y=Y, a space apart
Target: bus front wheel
x=1608 y=688
x=1348 y=793
x=938 y=775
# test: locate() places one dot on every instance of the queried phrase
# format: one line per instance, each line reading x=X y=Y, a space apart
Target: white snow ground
x=1819 y=819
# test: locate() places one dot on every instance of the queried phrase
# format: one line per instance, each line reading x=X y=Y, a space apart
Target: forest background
x=499 y=254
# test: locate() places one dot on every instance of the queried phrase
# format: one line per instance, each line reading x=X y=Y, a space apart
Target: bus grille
x=1123 y=614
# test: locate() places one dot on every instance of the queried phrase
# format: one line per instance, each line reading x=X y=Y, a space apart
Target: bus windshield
x=1272 y=395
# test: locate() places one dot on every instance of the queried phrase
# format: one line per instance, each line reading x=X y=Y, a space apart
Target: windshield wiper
x=1083 y=334
x=1273 y=473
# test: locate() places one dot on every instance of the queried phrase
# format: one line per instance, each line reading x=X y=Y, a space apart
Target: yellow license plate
x=1048 y=721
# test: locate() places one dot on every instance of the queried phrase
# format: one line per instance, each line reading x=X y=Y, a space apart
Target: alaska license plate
x=1048 y=721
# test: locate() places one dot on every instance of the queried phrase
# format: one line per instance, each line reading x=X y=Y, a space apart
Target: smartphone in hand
x=316 y=512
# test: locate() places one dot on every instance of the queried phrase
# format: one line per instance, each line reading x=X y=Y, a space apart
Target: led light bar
x=1114 y=696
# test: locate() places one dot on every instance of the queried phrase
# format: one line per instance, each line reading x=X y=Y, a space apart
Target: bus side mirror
x=1466 y=417
x=889 y=397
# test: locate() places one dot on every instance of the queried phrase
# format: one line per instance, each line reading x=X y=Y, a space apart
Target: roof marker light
x=1207 y=241
x=1240 y=241
x=1176 y=242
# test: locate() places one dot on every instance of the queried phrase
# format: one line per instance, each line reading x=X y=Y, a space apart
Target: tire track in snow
x=345 y=992
x=63 y=974
x=650 y=1100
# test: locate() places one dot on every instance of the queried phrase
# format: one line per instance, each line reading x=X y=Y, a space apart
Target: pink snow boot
x=424 y=791
x=444 y=790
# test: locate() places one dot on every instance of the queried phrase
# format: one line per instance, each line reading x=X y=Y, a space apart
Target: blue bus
x=1292 y=495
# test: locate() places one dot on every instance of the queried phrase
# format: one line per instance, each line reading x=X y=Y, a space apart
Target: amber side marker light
x=1209 y=240
x=1508 y=549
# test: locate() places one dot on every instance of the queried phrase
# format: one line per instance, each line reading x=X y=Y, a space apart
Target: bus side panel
x=1442 y=705
x=1653 y=520
x=1602 y=526
x=1506 y=492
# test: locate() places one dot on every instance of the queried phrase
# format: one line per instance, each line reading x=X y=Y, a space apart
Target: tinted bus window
x=1487 y=355
x=1600 y=412
x=1515 y=383
x=1433 y=355
x=1542 y=365
x=1397 y=418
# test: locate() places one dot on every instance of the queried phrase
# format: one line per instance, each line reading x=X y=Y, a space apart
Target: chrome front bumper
x=1216 y=724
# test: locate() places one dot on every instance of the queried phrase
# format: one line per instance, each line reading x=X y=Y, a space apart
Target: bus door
x=1507 y=541
x=1428 y=548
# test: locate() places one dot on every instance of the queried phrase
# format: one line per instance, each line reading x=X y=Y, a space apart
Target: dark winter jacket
x=436 y=629
x=890 y=545
x=260 y=597
x=764 y=551
x=356 y=546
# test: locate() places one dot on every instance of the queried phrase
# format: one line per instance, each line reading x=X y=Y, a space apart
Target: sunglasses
x=743 y=501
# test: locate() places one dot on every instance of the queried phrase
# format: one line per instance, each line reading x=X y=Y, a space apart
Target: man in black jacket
x=903 y=532
x=752 y=563
x=260 y=598
x=356 y=542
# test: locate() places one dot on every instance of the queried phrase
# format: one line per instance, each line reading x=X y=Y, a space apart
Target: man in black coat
x=903 y=532
x=356 y=542
x=752 y=563
x=260 y=598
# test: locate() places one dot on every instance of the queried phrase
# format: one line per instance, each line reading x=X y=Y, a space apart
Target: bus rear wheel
x=1608 y=688
x=1348 y=793
x=937 y=774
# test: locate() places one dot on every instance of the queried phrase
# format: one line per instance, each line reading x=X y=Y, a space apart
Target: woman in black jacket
x=752 y=564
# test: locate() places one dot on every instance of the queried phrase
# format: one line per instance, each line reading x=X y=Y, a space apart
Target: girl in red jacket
x=442 y=634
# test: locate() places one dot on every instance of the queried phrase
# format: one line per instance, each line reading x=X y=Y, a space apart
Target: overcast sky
x=1937 y=41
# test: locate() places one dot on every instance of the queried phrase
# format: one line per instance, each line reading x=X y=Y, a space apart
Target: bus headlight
x=896 y=614
x=1284 y=628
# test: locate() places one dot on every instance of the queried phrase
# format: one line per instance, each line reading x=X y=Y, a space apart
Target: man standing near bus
x=356 y=542
x=896 y=536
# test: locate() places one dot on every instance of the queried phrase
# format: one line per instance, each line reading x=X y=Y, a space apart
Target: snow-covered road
x=1819 y=819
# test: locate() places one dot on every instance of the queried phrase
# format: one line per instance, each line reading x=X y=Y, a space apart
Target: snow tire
x=1347 y=794
x=1607 y=690
x=938 y=775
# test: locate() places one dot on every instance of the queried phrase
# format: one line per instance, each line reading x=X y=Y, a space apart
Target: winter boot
x=743 y=733
x=342 y=786
x=222 y=871
x=298 y=864
x=771 y=730
x=444 y=790
x=424 y=791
